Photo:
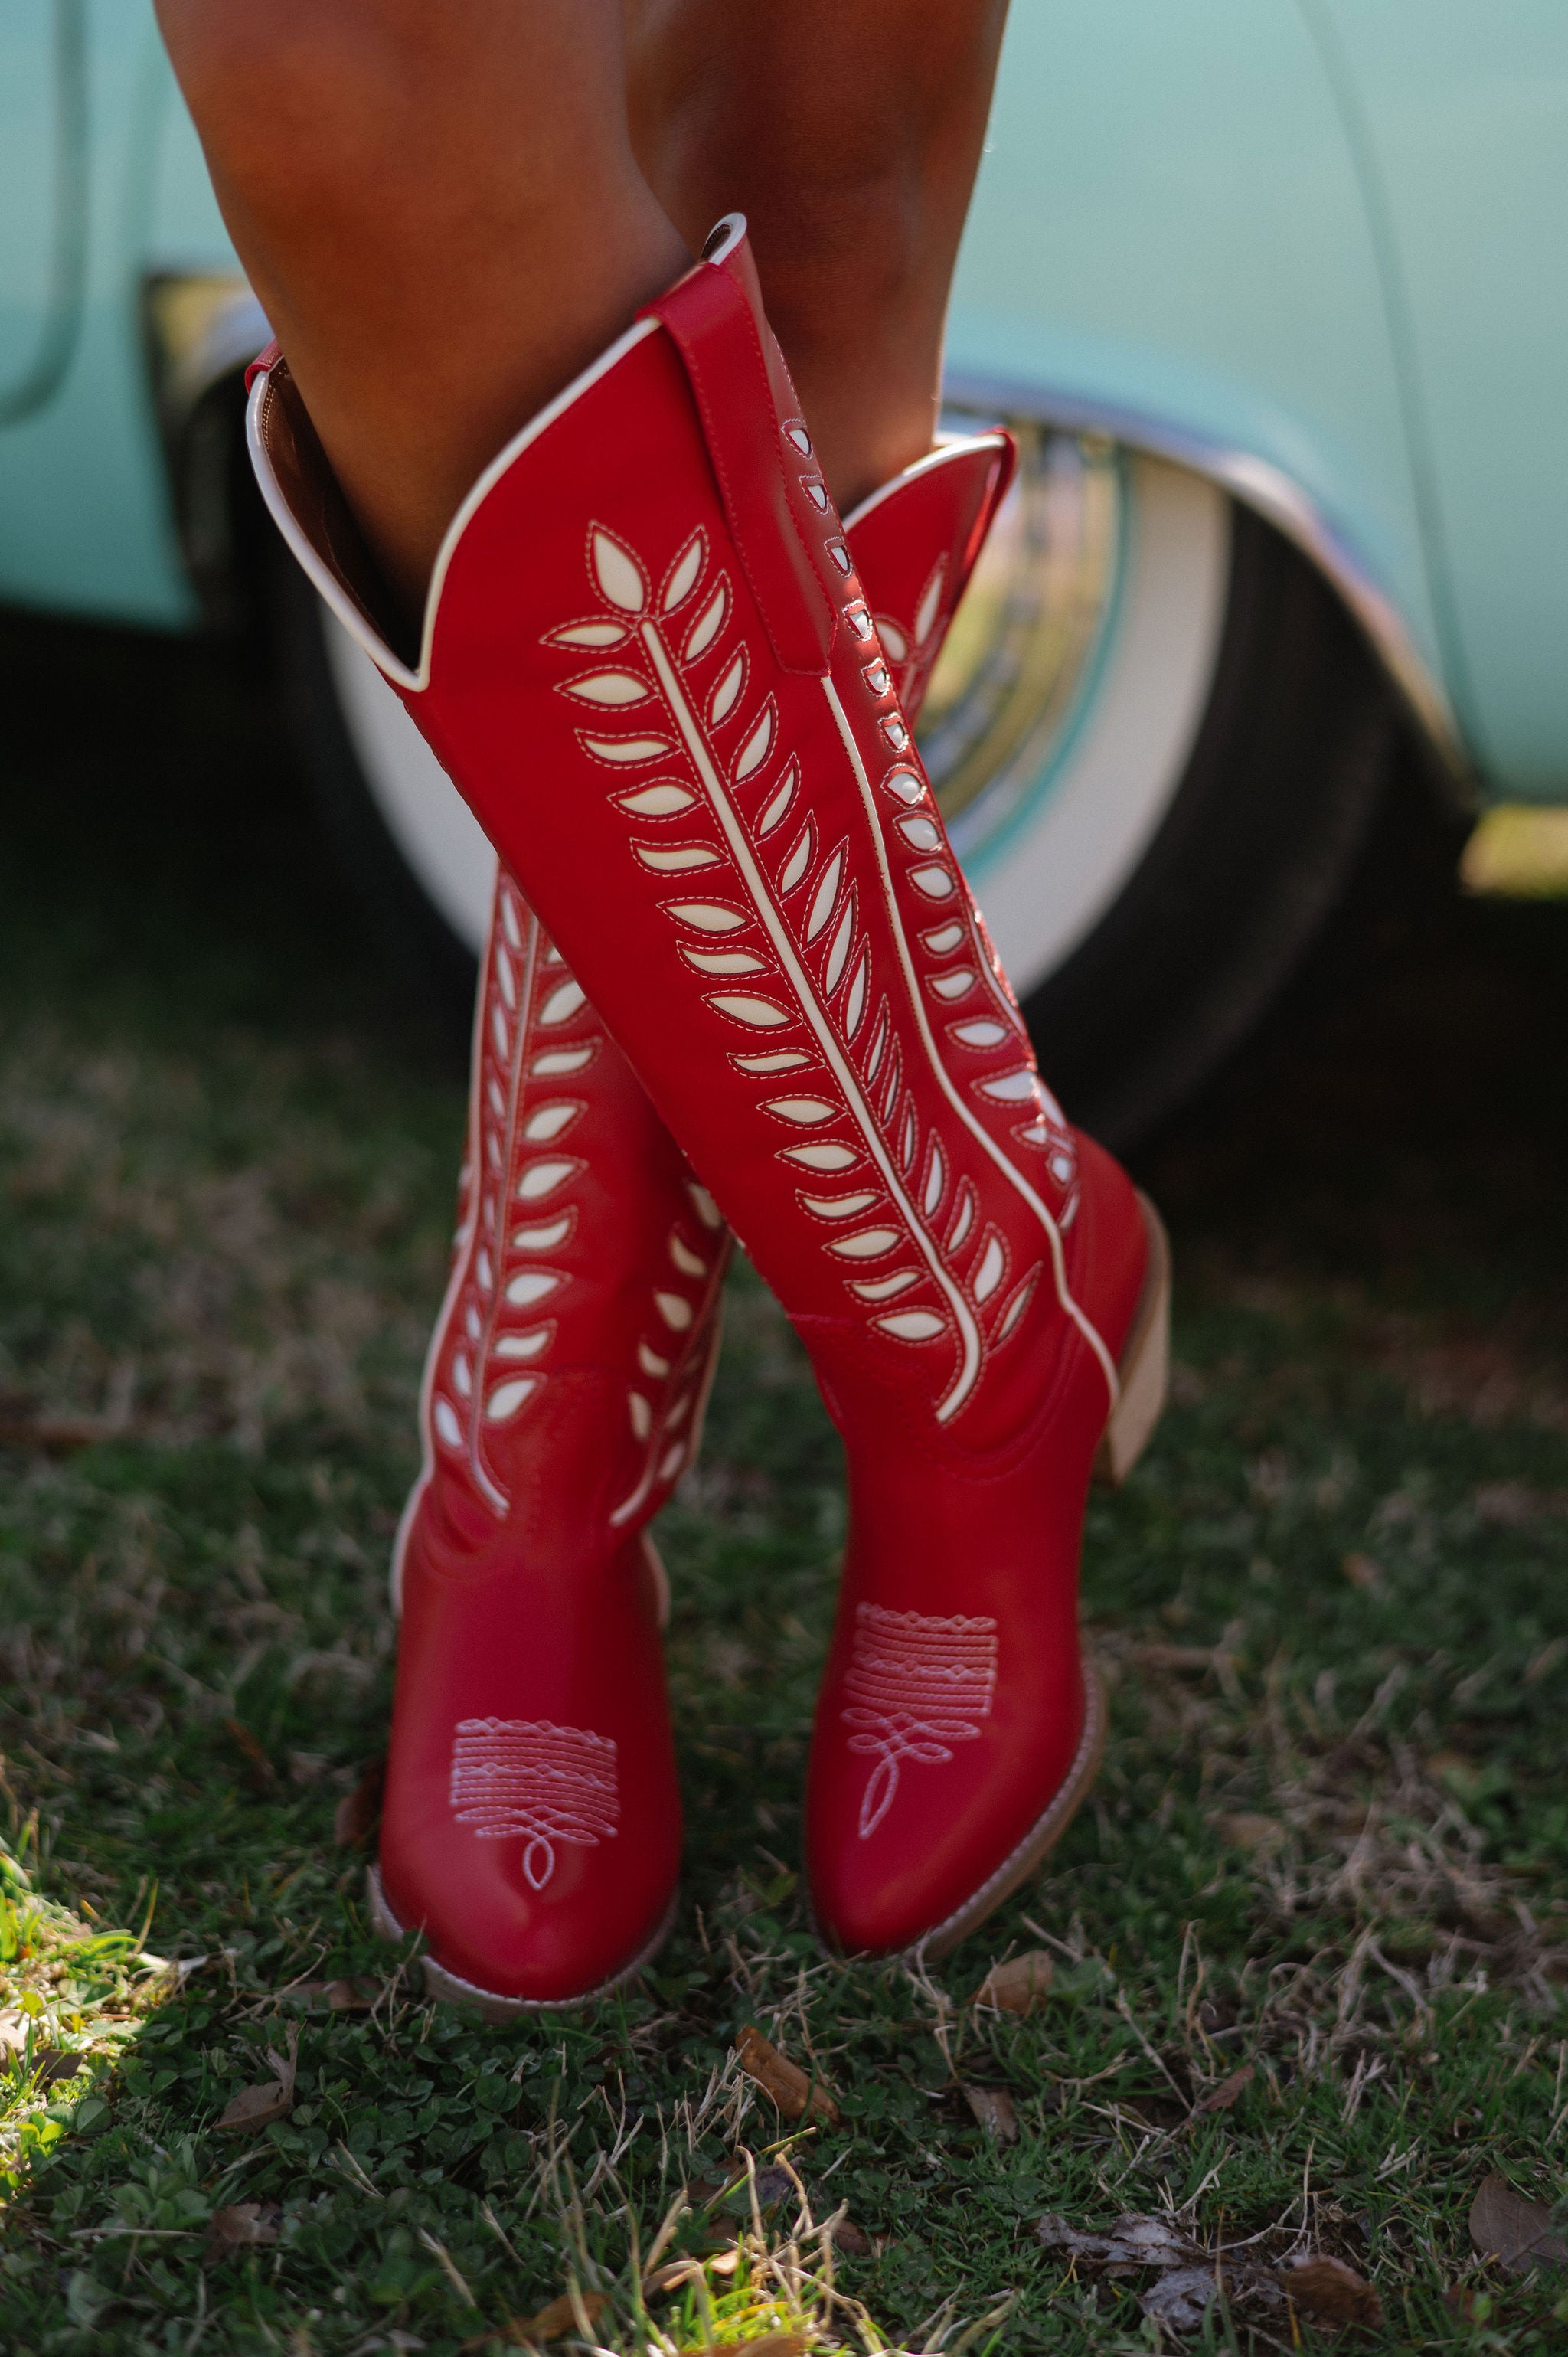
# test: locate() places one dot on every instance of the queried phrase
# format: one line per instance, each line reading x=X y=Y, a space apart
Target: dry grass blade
x=1518 y=2234
x=1020 y=1984
x=797 y=2097
x=1333 y=2292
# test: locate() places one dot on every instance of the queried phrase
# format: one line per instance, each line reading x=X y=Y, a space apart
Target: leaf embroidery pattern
x=768 y=912
x=536 y=1040
x=527 y=1778
x=916 y=1687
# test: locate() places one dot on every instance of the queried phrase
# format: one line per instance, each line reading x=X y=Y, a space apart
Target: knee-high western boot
x=649 y=663
x=563 y=1400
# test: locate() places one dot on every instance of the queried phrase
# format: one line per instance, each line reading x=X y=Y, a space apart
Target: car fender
x=1169 y=242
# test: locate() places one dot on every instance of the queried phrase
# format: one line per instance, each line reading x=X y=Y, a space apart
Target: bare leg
x=441 y=213
x=850 y=138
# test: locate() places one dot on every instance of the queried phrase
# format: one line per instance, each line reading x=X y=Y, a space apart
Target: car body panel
x=43 y=169
x=1169 y=223
x=1174 y=230
x=86 y=524
x=1462 y=114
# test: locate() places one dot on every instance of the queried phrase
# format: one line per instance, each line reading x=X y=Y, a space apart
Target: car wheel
x=1157 y=737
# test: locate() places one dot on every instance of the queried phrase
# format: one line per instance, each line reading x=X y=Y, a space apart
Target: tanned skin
x=446 y=212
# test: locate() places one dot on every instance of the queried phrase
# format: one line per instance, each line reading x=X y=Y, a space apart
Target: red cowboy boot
x=513 y=1481
x=649 y=665
x=533 y=1833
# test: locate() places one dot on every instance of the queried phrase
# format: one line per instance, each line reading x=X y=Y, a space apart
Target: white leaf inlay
x=869 y=1244
x=822 y=1157
x=838 y=1207
x=760 y=1013
x=886 y=1288
x=531 y=1284
x=679 y=856
x=508 y=1397
x=806 y=1111
x=627 y=749
x=541 y=1127
x=724 y=960
x=562 y=1003
x=620 y=575
x=1013 y=1087
x=683 y=580
x=912 y=1325
x=754 y=752
x=657 y=802
x=617 y=687
x=708 y=916
x=542 y=1179
x=709 y=622
x=800 y=859
x=825 y=894
x=727 y=689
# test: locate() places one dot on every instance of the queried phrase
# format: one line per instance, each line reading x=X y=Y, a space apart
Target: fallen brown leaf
x=55 y=1435
x=258 y=2108
x=1221 y=2098
x=245 y=2223
x=993 y=2107
x=354 y=1818
x=1517 y=2232
x=795 y=2094
x=253 y=1749
x=1020 y=1985
x=777 y=2344
x=1260 y=1834
x=341 y=1997
x=52 y=2064
x=559 y=2317
x=848 y=2236
x=1334 y=2293
x=1362 y=1570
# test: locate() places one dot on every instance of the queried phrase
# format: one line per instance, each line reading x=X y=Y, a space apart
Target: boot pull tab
x=715 y=316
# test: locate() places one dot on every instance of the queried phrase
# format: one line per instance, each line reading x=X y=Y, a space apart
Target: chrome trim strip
x=1266 y=488
x=202 y=325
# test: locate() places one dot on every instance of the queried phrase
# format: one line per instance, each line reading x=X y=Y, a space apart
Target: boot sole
x=450 y=1988
x=1144 y=1377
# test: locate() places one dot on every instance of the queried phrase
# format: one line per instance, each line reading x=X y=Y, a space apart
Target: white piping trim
x=1064 y=1295
x=774 y=925
x=950 y=447
x=523 y=1040
x=454 y=1282
x=325 y=580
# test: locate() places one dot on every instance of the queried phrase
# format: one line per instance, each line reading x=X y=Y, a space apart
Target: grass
x=1330 y=1840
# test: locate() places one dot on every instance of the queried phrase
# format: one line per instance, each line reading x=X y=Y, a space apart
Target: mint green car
x=1272 y=292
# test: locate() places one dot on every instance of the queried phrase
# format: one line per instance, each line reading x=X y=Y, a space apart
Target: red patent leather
x=652 y=669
